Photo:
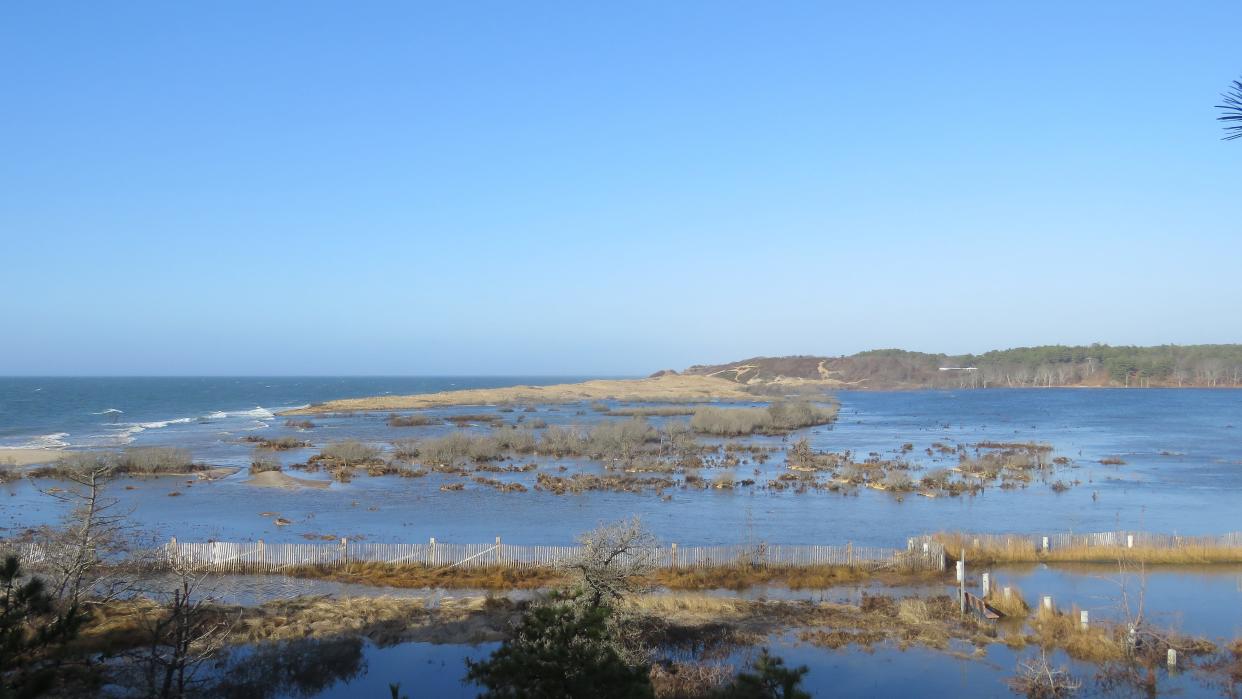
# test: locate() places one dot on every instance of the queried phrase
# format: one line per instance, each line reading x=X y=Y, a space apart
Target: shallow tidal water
x=1182 y=474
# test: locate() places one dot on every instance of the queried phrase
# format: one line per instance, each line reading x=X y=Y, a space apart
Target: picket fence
x=921 y=553
x=231 y=557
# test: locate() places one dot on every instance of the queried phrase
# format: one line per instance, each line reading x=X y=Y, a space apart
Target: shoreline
x=26 y=456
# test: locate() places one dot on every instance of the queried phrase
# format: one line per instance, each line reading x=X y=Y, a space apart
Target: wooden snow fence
x=231 y=557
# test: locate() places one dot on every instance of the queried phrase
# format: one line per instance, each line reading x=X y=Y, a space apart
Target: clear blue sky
x=510 y=187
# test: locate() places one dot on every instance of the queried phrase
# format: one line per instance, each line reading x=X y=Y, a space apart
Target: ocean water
x=1181 y=447
x=39 y=412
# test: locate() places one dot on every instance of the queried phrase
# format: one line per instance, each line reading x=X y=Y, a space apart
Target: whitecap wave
x=258 y=412
x=218 y=415
x=109 y=411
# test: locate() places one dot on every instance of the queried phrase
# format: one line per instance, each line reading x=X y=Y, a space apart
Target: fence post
x=1083 y=619
x=986 y=584
x=1007 y=592
x=344 y=550
x=1172 y=658
x=1047 y=603
x=262 y=562
x=172 y=550
x=674 y=554
x=431 y=556
x=499 y=552
x=1045 y=544
x=961 y=581
x=849 y=553
x=1129 y=541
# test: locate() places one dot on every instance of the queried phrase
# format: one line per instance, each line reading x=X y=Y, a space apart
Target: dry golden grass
x=663 y=389
x=419 y=576
x=685 y=608
x=1098 y=643
x=677 y=680
x=126 y=624
x=1013 y=606
x=1021 y=551
x=741 y=577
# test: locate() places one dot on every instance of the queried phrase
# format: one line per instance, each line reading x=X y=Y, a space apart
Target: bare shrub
x=154 y=460
x=415 y=420
x=778 y=418
x=1038 y=679
x=350 y=452
x=277 y=443
x=560 y=441
x=614 y=561
x=456 y=447
x=263 y=460
x=620 y=440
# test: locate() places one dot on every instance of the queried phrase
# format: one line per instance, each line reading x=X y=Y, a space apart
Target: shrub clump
x=414 y=420
x=777 y=418
x=264 y=460
x=350 y=453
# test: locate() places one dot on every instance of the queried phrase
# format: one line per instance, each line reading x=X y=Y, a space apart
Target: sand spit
x=668 y=388
x=275 y=479
x=29 y=457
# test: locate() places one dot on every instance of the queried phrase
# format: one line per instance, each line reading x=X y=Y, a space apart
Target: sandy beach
x=28 y=457
x=666 y=388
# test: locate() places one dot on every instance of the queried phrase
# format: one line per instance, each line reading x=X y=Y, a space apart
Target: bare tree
x=1232 y=111
x=75 y=554
x=614 y=561
x=182 y=635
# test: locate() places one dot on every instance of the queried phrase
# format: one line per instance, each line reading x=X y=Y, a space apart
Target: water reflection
x=287 y=669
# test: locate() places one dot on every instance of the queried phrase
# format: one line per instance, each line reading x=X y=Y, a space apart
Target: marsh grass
x=1097 y=643
x=654 y=411
x=1012 y=606
x=1022 y=550
x=743 y=576
x=420 y=576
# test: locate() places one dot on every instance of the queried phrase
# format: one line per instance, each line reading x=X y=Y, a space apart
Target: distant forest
x=1048 y=365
